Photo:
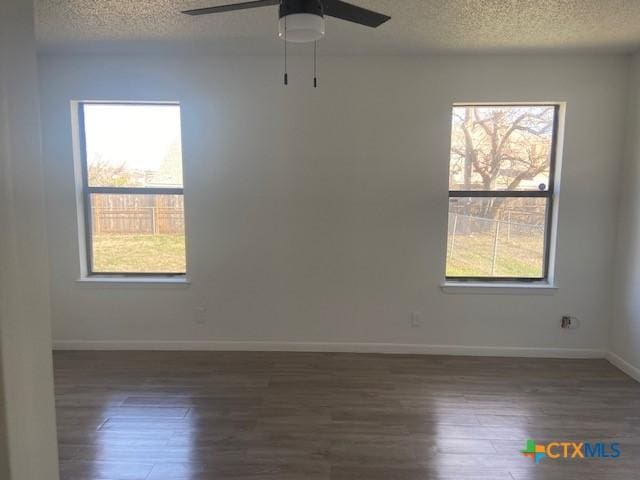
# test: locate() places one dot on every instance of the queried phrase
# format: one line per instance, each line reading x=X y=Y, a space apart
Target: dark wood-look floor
x=286 y=416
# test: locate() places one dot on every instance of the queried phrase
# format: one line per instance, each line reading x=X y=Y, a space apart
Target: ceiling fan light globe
x=301 y=27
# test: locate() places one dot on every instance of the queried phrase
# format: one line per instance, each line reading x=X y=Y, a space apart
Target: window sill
x=136 y=281
x=509 y=288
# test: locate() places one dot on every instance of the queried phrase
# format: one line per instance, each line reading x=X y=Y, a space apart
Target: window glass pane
x=133 y=145
x=496 y=237
x=138 y=233
x=501 y=147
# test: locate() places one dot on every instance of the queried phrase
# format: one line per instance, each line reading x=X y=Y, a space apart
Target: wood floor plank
x=326 y=416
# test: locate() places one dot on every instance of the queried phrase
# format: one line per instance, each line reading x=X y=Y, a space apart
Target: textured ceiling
x=417 y=27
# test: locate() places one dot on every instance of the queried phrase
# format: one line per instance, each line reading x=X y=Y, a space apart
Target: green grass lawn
x=139 y=253
x=521 y=256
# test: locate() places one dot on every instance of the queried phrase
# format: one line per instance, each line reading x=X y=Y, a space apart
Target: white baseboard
x=388 y=348
x=623 y=365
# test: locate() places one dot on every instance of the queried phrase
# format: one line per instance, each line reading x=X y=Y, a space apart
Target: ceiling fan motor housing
x=289 y=7
x=301 y=21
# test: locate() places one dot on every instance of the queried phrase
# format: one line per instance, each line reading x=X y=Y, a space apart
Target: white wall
x=625 y=334
x=321 y=215
x=28 y=421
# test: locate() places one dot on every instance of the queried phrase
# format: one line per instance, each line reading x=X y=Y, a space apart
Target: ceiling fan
x=302 y=21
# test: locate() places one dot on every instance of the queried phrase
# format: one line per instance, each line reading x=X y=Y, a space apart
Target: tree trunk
x=468 y=155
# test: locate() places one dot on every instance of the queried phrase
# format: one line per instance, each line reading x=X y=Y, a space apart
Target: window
x=132 y=188
x=501 y=190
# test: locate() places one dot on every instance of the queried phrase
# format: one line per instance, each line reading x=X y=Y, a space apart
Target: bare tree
x=498 y=149
x=103 y=173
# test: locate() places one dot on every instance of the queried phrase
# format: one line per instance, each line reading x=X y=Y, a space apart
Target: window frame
x=88 y=190
x=549 y=194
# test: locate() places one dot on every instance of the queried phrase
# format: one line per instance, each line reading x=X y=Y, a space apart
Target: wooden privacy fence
x=138 y=214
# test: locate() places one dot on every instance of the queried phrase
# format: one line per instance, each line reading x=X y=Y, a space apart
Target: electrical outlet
x=569 y=323
x=415 y=320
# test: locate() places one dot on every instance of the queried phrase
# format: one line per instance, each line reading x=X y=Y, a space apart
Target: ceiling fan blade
x=232 y=7
x=353 y=13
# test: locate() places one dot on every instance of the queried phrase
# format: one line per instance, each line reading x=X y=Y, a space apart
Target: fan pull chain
x=286 y=75
x=315 y=64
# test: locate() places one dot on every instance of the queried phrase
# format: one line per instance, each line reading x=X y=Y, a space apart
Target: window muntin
x=501 y=186
x=133 y=190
